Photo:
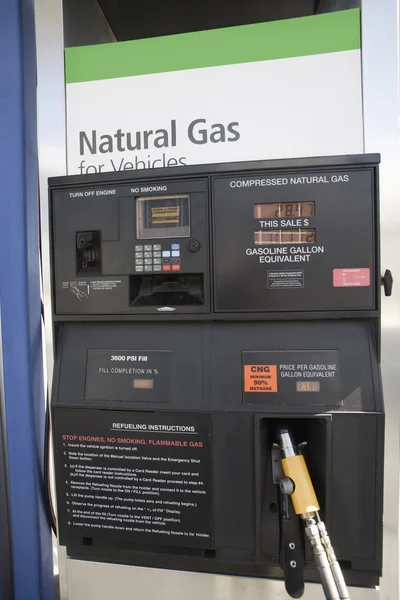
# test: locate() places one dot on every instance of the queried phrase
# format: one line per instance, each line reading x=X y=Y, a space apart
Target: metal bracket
x=277 y=470
x=291 y=550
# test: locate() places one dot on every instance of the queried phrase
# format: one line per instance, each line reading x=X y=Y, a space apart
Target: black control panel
x=294 y=241
x=132 y=248
x=282 y=241
x=196 y=310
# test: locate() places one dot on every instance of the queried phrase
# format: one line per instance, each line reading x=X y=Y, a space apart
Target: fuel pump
x=217 y=395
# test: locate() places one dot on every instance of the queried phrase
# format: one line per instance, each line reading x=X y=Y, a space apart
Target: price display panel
x=285 y=236
x=300 y=241
x=308 y=386
x=284 y=209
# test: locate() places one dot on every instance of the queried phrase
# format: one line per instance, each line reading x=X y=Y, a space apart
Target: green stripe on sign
x=331 y=32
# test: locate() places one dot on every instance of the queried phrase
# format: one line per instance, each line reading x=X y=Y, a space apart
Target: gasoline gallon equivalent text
x=285 y=254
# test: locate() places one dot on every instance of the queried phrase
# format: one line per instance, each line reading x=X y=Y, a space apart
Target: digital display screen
x=163 y=217
x=308 y=386
x=284 y=209
x=143 y=384
x=285 y=236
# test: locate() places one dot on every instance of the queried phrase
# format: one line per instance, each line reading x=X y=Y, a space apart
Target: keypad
x=155 y=258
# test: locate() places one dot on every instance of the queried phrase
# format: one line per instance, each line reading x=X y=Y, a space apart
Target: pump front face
x=289 y=241
x=197 y=311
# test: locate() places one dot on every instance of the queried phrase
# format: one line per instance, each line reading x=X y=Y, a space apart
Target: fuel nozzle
x=306 y=505
x=294 y=466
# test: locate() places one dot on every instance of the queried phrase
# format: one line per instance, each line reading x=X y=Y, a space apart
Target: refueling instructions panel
x=203 y=315
x=291 y=240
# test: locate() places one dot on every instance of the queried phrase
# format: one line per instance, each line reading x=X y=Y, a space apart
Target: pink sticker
x=351 y=277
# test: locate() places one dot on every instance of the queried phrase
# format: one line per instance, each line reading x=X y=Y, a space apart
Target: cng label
x=306 y=378
x=260 y=378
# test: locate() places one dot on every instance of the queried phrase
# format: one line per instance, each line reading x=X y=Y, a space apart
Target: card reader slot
x=167 y=290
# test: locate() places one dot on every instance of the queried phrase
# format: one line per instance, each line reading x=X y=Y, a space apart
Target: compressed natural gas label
x=260 y=378
x=284 y=280
x=291 y=377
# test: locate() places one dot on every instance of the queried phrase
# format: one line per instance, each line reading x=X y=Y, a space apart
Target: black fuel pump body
x=196 y=309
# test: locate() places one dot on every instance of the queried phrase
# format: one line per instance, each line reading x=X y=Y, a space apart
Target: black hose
x=47 y=493
x=48 y=497
x=47 y=480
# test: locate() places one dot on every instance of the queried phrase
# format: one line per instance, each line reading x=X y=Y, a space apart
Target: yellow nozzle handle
x=304 y=498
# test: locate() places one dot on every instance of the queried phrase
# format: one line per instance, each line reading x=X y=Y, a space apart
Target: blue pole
x=20 y=302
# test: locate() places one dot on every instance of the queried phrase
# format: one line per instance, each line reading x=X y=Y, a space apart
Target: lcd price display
x=284 y=209
x=284 y=236
x=308 y=386
x=163 y=217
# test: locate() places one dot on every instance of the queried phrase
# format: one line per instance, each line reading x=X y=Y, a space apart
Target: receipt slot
x=197 y=311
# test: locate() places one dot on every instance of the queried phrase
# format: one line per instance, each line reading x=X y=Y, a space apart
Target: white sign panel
x=290 y=107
